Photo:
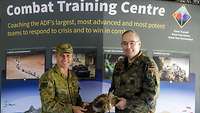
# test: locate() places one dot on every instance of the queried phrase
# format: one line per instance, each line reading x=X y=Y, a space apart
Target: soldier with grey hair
x=136 y=79
x=59 y=87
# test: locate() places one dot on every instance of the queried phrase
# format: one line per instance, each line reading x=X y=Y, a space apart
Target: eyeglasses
x=131 y=43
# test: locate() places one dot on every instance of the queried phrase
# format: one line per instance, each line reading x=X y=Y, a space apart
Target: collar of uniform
x=57 y=70
x=135 y=57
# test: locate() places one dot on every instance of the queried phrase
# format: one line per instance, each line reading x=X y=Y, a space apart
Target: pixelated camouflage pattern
x=59 y=94
x=64 y=48
x=138 y=82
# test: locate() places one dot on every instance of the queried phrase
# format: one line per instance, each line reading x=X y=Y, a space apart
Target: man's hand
x=85 y=104
x=121 y=104
x=78 y=109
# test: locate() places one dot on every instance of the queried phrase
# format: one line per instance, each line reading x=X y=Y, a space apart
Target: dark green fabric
x=138 y=82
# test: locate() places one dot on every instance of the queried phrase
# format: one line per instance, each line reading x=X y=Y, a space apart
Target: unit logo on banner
x=182 y=16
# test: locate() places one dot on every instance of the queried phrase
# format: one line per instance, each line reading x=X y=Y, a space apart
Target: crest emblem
x=182 y=16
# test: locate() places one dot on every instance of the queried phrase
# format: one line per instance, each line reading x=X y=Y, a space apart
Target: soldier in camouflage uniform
x=59 y=88
x=136 y=78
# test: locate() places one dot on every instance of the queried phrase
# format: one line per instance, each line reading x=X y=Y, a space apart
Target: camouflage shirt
x=59 y=94
x=138 y=82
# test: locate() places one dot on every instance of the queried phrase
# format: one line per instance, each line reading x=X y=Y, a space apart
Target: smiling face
x=64 y=60
x=131 y=44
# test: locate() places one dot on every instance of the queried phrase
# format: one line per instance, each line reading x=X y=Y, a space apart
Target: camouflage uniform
x=59 y=93
x=138 y=82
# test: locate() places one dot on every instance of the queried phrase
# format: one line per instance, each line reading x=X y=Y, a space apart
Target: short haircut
x=131 y=31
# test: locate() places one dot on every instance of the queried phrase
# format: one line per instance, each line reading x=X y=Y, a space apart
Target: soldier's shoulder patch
x=43 y=84
x=151 y=66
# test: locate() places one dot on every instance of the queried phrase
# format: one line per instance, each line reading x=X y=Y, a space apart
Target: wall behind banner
x=99 y=29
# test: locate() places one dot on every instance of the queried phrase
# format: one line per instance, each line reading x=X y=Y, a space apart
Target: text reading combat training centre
x=82 y=6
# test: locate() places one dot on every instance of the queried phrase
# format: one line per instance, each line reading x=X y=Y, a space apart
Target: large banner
x=52 y=18
x=162 y=26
